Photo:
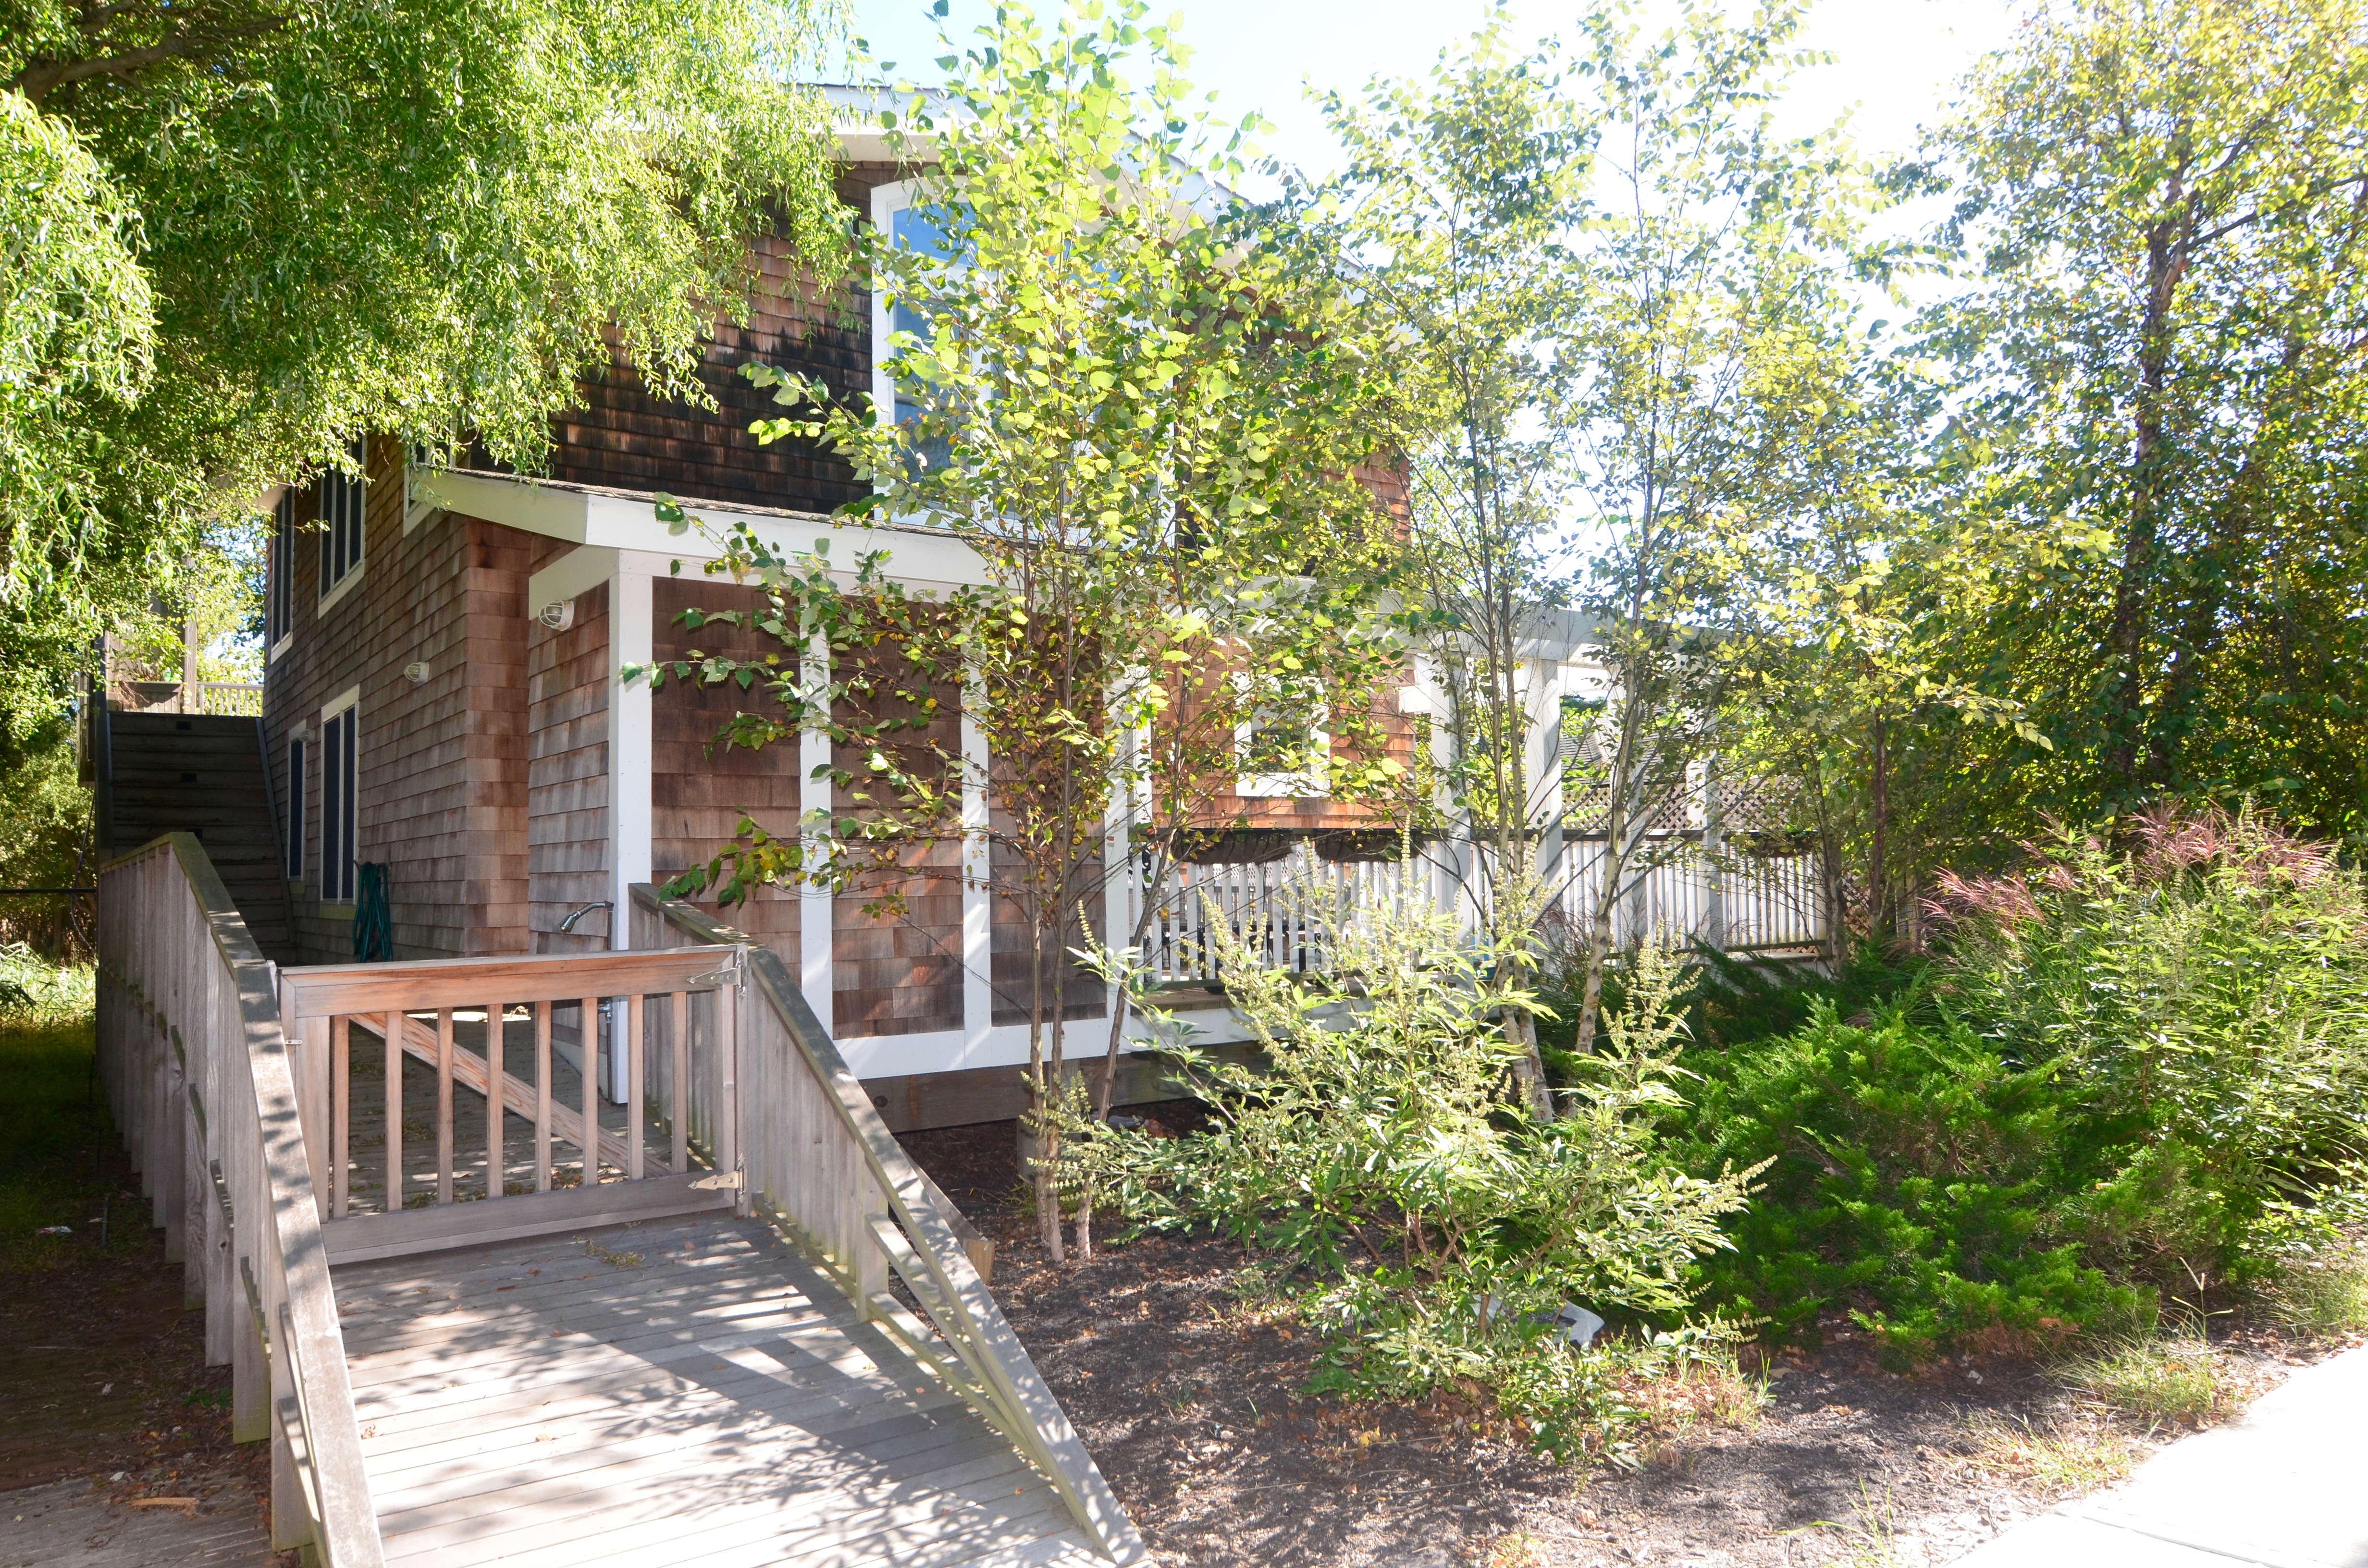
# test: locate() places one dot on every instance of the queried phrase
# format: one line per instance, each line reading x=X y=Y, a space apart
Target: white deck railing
x=1281 y=908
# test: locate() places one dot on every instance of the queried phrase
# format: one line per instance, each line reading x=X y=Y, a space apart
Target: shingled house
x=444 y=698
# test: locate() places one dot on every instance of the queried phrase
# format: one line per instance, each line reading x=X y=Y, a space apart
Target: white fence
x=1739 y=903
x=1280 y=908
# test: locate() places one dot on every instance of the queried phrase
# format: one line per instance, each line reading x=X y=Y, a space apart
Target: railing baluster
x=630 y=1065
x=443 y=1104
x=341 y=1103
x=494 y=1087
x=679 y=1107
x=393 y=1024
x=591 y=1091
x=542 y=1097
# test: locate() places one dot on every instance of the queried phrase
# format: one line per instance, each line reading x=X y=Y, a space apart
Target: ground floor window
x=337 y=795
x=296 y=782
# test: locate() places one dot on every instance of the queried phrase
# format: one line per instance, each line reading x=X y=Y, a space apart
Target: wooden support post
x=394 y=1112
x=678 y=1105
x=591 y=1033
x=542 y=1097
x=341 y=1090
x=310 y=1047
x=443 y=1104
x=727 y=1061
x=630 y=1064
x=493 y=1112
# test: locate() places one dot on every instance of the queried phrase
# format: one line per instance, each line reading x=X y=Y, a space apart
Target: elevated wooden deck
x=687 y=1390
x=687 y=1302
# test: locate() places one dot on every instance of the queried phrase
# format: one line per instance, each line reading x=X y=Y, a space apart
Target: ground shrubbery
x=2126 y=1081
x=2130 y=1079
x=1423 y=1219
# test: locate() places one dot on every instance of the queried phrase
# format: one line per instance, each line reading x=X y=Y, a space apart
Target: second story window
x=342 y=495
x=280 y=595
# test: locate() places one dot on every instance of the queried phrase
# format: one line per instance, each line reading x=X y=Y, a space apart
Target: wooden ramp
x=682 y=1392
x=655 y=1285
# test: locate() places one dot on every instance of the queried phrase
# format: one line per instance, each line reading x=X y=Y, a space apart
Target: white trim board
x=916 y=557
x=1006 y=1045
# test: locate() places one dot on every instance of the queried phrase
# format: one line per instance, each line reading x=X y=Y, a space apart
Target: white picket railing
x=1281 y=908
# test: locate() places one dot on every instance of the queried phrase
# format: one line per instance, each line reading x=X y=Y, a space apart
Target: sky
x=1896 y=61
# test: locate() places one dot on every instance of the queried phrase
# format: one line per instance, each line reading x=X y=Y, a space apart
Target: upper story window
x=279 y=596
x=923 y=229
x=342 y=498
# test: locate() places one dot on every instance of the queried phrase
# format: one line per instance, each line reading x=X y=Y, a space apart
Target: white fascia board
x=521 y=503
x=916 y=557
x=1553 y=636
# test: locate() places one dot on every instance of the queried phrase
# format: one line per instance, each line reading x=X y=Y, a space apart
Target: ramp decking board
x=719 y=1403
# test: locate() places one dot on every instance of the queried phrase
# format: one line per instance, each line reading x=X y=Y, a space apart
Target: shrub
x=32 y=989
x=2128 y=1078
x=1913 y=1178
x=1434 y=1224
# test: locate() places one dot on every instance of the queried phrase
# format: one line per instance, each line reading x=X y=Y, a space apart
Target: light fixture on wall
x=558 y=615
x=417 y=673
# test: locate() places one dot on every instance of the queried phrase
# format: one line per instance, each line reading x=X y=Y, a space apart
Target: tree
x=1119 y=390
x=252 y=229
x=2167 y=205
x=1460 y=191
x=1700 y=328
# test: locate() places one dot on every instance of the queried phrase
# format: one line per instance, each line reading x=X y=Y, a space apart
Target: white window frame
x=1313 y=783
x=887 y=200
x=334 y=485
x=341 y=756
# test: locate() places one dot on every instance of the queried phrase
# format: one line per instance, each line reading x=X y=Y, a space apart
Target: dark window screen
x=337 y=794
x=296 y=810
x=342 y=497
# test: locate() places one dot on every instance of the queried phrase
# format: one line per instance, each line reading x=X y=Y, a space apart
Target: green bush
x=33 y=989
x=1432 y=1224
x=2130 y=1078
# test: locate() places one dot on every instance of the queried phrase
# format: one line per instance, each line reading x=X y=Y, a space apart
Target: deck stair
x=201 y=774
x=482 y=1314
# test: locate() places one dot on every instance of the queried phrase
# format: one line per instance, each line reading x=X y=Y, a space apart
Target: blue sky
x=1896 y=60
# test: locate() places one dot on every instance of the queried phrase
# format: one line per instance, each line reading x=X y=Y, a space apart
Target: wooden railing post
x=209 y=1089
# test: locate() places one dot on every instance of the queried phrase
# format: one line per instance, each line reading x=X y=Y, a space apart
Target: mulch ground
x=1192 y=1397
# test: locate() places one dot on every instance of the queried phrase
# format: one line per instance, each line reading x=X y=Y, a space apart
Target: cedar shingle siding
x=441 y=764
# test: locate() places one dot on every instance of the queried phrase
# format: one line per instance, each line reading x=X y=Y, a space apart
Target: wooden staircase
x=200 y=774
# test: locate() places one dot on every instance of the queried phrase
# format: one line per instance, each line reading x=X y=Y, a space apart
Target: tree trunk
x=2125 y=639
x=1878 y=874
x=1040 y=1103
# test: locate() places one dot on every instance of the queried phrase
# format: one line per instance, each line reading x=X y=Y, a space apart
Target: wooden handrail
x=1001 y=1380
x=203 y=1082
